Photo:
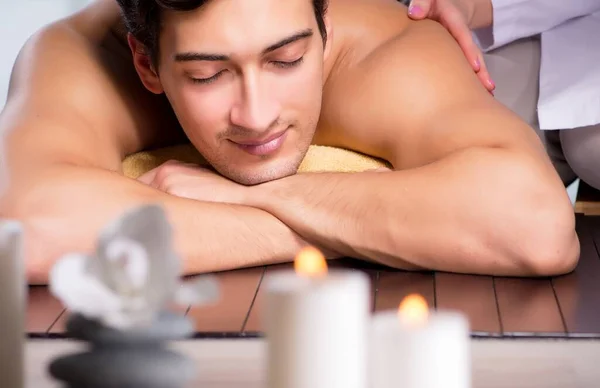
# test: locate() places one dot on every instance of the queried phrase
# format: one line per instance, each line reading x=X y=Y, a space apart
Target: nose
x=257 y=108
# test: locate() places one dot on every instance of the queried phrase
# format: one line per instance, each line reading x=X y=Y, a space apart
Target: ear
x=329 y=29
x=143 y=66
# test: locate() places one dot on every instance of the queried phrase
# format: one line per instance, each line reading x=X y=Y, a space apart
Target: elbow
x=551 y=251
x=531 y=231
x=546 y=241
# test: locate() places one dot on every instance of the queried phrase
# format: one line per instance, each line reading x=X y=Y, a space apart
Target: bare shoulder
x=418 y=70
x=366 y=21
x=394 y=99
x=373 y=41
x=74 y=95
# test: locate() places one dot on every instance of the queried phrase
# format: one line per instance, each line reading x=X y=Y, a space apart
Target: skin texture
x=460 y=17
x=471 y=188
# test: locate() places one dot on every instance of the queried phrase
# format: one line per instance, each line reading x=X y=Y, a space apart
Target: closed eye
x=280 y=64
x=287 y=65
x=207 y=80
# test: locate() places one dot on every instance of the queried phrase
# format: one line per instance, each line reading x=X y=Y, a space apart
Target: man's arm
x=69 y=205
x=75 y=110
x=473 y=190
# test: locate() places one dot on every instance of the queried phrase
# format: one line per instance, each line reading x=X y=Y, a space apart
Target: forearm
x=68 y=206
x=456 y=214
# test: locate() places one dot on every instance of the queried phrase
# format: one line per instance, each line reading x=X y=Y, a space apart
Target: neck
x=334 y=60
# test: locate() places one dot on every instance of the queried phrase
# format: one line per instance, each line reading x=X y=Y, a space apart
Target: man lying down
x=252 y=84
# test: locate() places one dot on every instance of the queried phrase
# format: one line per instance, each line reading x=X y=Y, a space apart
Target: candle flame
x=310 y=262
x=413 y=310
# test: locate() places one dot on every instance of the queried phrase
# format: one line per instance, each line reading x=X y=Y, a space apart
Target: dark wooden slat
x=227 y=315
x=578 y=293
x=473 y=296
x=59 y=327
x=254 y=323
x=43 y=309
x=528 y=307
x=393 y=286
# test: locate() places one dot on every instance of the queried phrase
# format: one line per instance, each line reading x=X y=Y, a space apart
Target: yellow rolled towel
x=318 y=159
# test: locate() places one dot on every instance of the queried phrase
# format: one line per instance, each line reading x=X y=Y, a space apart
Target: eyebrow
x=196 y=56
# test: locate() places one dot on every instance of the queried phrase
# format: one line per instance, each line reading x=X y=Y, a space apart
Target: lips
x=264 y=146
x=260 y=142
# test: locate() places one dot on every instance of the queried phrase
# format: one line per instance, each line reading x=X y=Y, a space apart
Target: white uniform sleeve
x=569 y=94
x=516 y=19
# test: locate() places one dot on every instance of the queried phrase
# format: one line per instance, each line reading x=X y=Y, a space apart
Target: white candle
x=317 y=327
x=13 y=291
x=419 y=349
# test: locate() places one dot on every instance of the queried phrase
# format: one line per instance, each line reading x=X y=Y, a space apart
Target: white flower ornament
x=133 y=275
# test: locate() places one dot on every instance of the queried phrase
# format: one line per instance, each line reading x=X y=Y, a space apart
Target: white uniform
x=569 y=95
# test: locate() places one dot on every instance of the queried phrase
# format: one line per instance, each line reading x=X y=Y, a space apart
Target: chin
x=250 y=170
x=264 y=172
x=256 y=177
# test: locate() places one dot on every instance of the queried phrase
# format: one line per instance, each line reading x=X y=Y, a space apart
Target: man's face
x=245 y=80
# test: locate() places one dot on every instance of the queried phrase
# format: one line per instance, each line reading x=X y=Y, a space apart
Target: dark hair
x=143 y=19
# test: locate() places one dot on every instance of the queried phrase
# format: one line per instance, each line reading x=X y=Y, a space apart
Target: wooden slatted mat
x=564 y=306
x=254 y=326
x=528 y=307
x=393 y=286
x=475 y=296
x=229 y=314
x=578 y=293
x=43 y=310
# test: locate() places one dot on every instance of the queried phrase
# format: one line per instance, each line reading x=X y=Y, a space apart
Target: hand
x=456 y=17
x=191 y=181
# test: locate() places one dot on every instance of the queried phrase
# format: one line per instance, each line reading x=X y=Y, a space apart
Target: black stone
x=167 y=327
x=133 y=358
x=128 y=368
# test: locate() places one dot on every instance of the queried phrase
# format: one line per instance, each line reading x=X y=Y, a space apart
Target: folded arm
x=472 y=189
x=69 y=205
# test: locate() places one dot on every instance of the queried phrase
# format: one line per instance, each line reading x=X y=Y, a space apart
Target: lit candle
x=317 y=325
x=416 y=348
x=13 y=291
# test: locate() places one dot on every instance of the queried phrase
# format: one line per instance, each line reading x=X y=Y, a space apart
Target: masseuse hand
x=194 y=182
x=456 y=16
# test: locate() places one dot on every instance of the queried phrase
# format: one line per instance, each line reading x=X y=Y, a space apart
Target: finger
x=419 y=9
x=459 y=29
x=148 y=177
x=485 y=77
x=475 y=58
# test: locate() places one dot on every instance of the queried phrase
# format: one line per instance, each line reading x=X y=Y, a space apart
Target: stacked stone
x=134 y=358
